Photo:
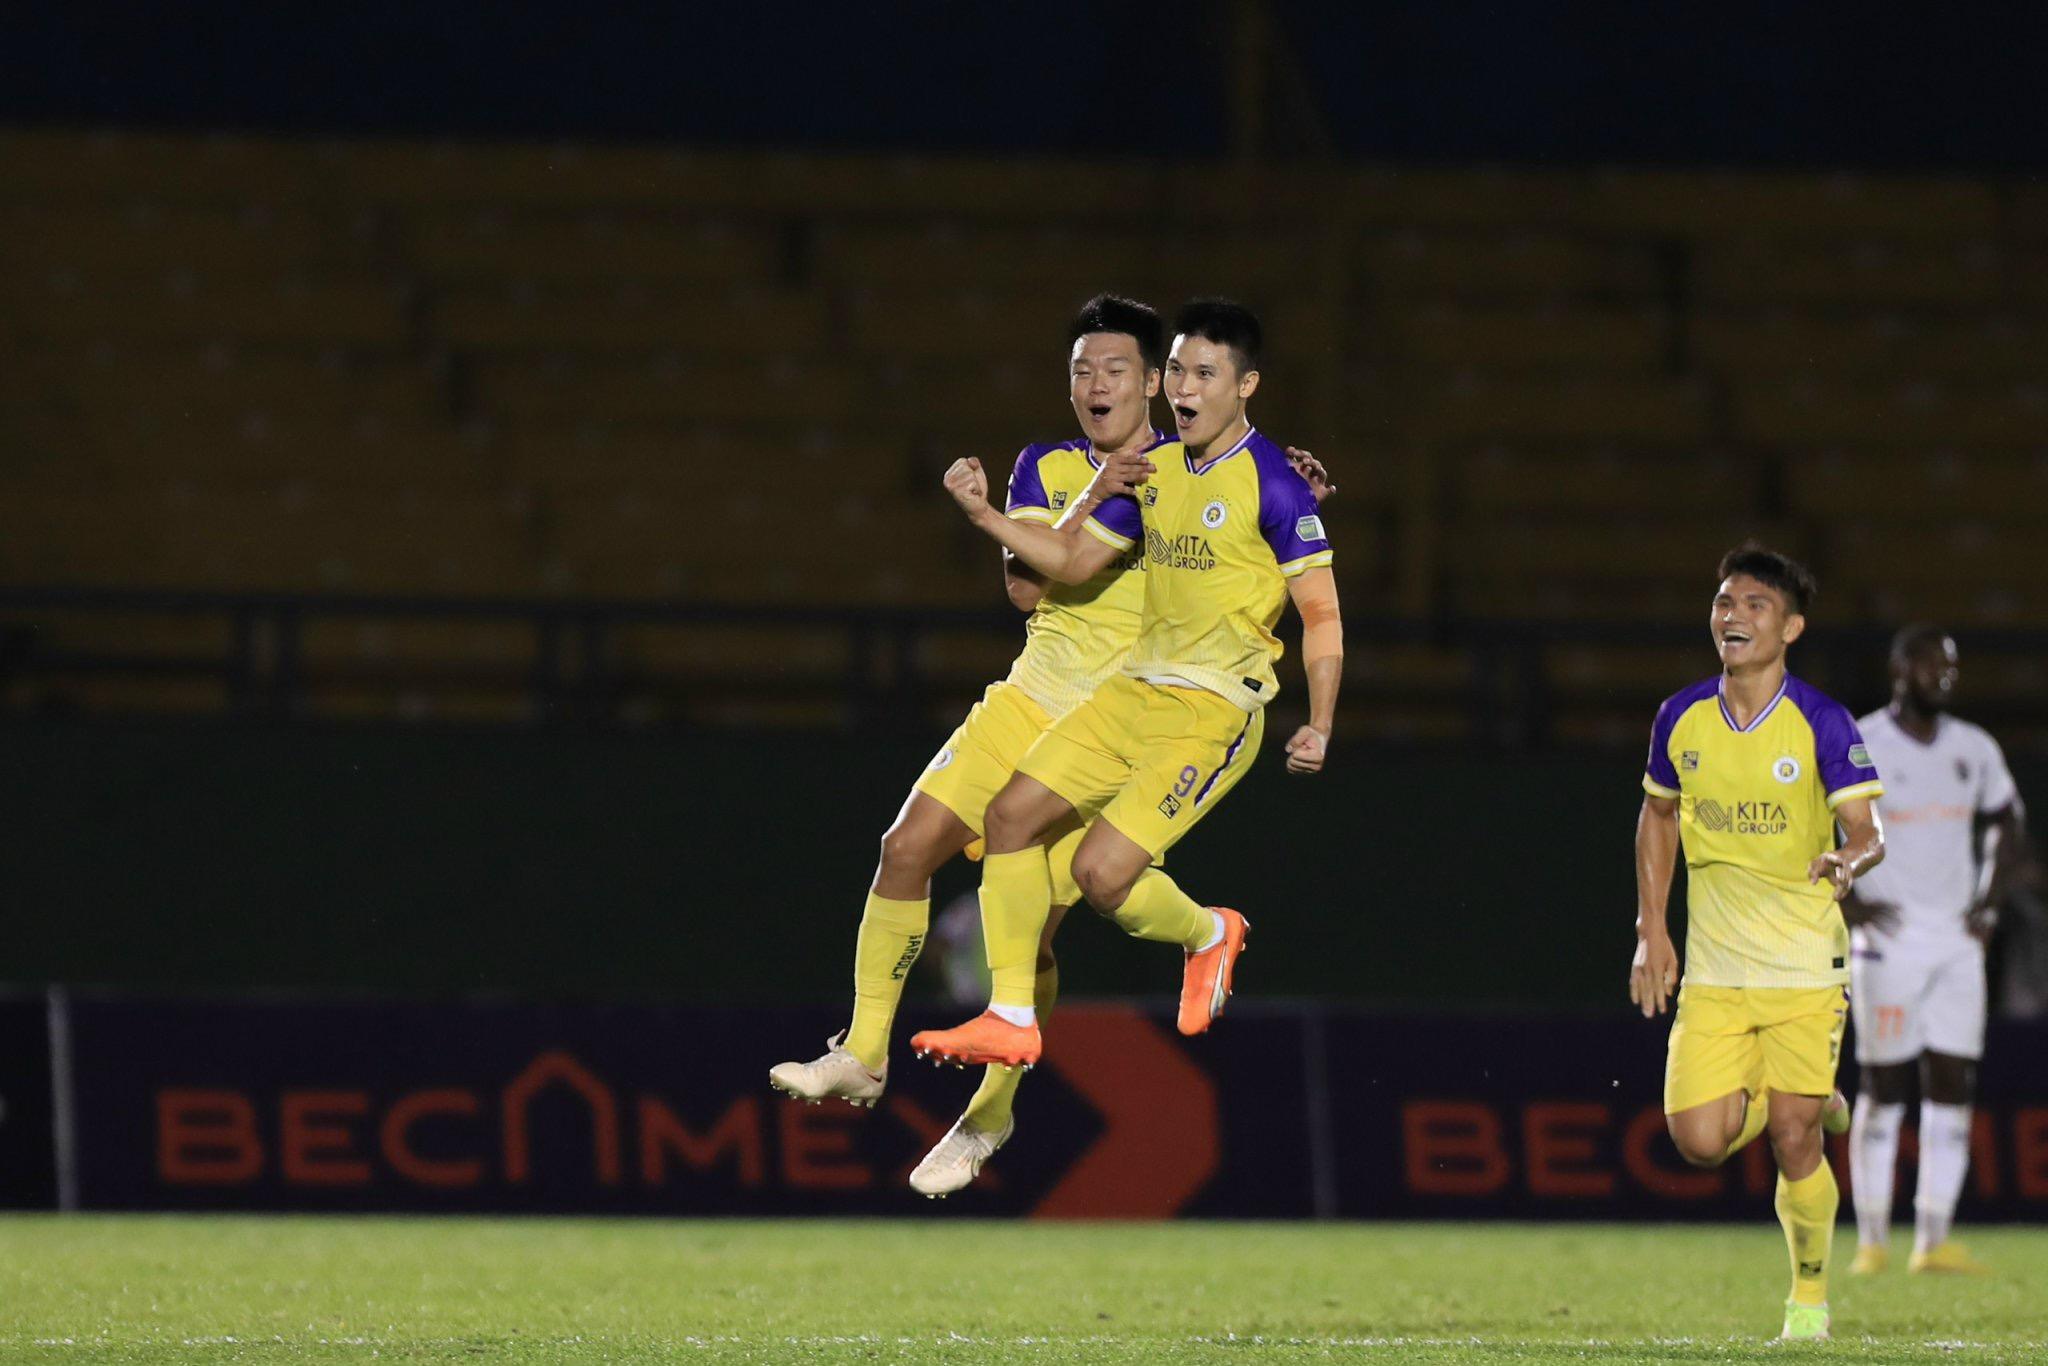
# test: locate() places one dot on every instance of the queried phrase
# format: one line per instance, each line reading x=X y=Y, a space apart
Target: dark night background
x=482 y=780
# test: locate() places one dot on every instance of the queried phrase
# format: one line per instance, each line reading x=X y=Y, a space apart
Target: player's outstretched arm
x=1064 y=556
x=1322 y=656
x=1653 y=975
x=1119 y=473
x=1862 y=847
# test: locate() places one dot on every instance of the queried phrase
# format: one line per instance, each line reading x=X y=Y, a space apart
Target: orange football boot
x=986 y=1039
x=1205 y=981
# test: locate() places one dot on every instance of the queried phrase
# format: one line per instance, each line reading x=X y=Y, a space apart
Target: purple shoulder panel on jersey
x=1838 y=748
x=1287 y=505
x=1027 y=489
x=1120 y=514
x=1660 y=770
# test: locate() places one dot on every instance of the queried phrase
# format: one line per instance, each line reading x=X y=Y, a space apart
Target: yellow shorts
x=982 y=753
x=1150 y=760
x=979 y=757
x=1729 y=1039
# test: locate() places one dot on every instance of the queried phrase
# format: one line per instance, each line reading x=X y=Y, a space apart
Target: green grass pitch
x=218 y=1289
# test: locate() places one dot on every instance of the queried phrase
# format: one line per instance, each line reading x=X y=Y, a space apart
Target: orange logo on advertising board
x=1556 y=1149
x=1159 y=1145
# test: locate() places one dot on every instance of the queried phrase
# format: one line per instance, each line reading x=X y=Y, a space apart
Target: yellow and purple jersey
x=1079 y=633
x=1221 y=542
x=1755 y=807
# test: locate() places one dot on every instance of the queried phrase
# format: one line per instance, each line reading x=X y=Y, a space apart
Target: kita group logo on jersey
x=1744 y=818
x=1187 y=551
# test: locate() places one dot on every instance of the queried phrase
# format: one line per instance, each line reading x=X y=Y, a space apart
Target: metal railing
x=569 y=671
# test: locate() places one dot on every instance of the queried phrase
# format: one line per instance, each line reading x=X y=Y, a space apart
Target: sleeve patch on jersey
x=1310 y=528
x=1859 y=755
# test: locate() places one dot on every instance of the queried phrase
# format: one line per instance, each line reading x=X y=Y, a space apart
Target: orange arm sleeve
x=1322 y=623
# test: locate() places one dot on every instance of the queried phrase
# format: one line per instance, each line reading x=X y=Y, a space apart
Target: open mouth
x=1098 y=411
x=1735 y=637
x=1184 y=413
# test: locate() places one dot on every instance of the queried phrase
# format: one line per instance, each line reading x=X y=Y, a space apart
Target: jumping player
x=1230 y=532
x=1077 y=635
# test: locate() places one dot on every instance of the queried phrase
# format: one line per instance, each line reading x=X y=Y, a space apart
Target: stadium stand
x=560 y=374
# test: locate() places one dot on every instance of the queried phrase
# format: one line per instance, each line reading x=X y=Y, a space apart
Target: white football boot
x=957 y=1158
x=838 y=1073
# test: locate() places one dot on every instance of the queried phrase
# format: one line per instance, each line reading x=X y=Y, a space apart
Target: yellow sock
x=1159 y=910
x=891 y=934
x=1754 y=1118
x=990 y=1109
x=1016 y=897
x=1806 y=1208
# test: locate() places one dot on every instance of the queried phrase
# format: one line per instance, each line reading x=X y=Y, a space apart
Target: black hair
x=1912 y=639
x=1114 y=313
x=1227 y=323
x=1781 y=572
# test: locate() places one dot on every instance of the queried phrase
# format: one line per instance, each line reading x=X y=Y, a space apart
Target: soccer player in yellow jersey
x=1230 y=531
x=1077 y=634
x=1751 y=772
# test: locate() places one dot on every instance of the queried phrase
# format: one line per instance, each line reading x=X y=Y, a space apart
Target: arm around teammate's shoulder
x=1061 y=555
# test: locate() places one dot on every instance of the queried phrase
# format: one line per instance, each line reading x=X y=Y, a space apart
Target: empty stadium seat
x=555 y=373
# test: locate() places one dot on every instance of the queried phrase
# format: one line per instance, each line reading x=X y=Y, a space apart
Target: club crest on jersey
x=1689 y=761
x=1151 y=496
x=1059 y=499
x=1786 y=770
x=1213 y=515
x=943 y=758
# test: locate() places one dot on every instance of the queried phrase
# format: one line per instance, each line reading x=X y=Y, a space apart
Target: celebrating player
x=1077 y=635
x=1230 y=532
x=1953 y=835
x=1751 y=771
